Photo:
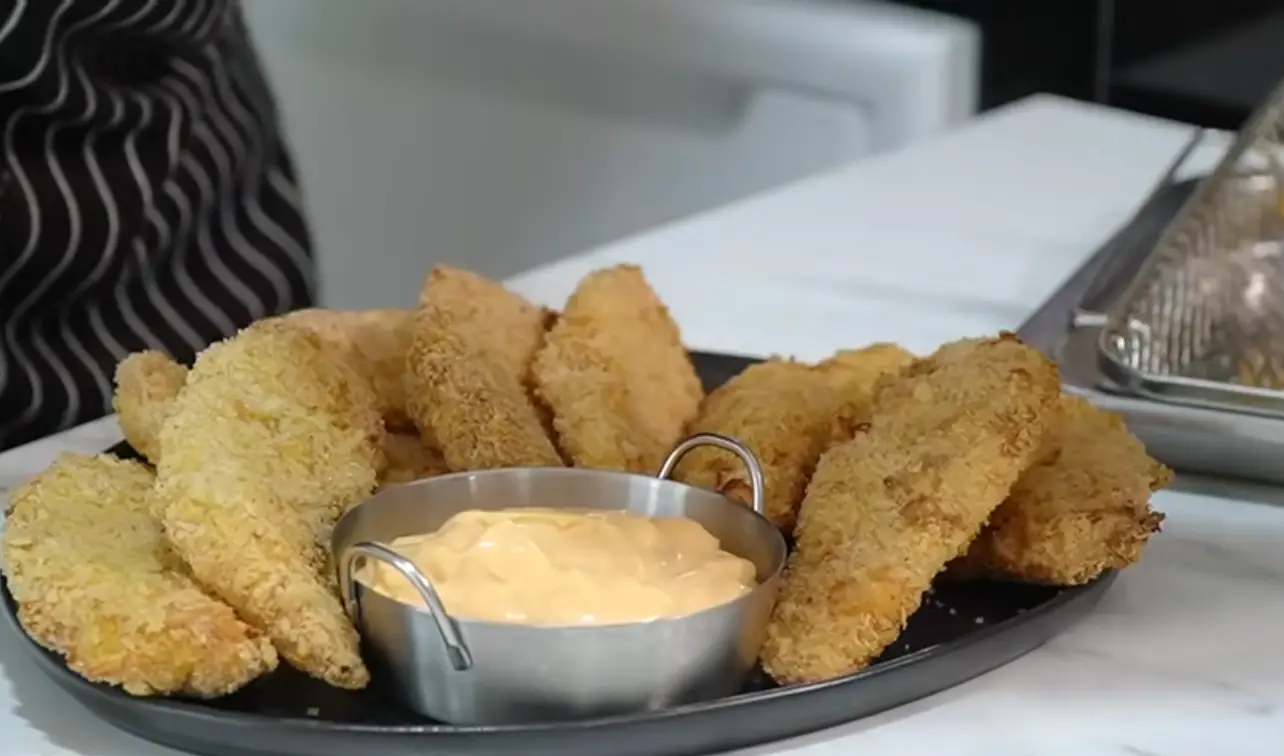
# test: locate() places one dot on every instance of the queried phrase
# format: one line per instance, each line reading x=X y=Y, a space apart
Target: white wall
x=424 y=136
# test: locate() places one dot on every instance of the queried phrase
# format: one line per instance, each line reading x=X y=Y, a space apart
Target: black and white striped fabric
x=146 y=199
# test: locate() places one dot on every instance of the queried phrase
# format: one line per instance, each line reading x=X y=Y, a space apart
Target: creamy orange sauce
x=567 y=567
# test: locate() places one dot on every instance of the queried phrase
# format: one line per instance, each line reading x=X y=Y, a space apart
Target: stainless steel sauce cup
x=465 y=671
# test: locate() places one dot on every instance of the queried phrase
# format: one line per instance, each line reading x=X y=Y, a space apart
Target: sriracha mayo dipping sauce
x=567 y=567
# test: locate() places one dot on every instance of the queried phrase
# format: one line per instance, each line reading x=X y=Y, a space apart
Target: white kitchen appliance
x=500 y=134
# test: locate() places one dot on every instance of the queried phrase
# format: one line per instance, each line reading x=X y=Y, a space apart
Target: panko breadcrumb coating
x=854 y=373
x=781 y=410
x=271 y=439
x=147 y=383
x=788 y=413
x=410 y=458
x=616 y=376
x=468 y=371
x=884 y=512
x=373 y=343
x=91 y=572
x=1080 y=511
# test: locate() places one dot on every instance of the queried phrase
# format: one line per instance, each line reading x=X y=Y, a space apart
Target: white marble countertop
x=959 y=236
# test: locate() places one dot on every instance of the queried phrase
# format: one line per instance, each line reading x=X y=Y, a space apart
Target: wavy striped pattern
x=146 y=199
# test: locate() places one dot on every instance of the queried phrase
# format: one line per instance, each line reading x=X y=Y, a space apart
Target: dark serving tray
x=961 y=631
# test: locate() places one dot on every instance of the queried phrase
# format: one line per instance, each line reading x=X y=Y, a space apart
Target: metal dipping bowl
x=465 y=671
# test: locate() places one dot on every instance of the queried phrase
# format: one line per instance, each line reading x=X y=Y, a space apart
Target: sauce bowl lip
x=778 y=544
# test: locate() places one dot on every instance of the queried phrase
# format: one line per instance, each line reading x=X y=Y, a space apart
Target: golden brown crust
x=269 y=442
x=147 y=383
x=788 y=413
x=468 y=373
x=410 y=458
x=783 y=412
x=854 y=374
x=92 y=576
x=374 y=343
x=887 y=510
x=616 y=376
x=1082 y=510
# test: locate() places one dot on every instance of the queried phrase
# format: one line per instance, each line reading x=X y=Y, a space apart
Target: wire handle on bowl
x=460 y=657
x=725 y=443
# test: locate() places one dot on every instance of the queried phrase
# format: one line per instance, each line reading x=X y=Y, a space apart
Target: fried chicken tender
x=621 y=386
x=271 y=439
x=410 y=458
x=788 y=413
x=373 y=343
x=946 y=440
x=1080 y=511
x=854 y=373
x=90 y=570
x=147 y=383
x=781 y=410
x=468 y=373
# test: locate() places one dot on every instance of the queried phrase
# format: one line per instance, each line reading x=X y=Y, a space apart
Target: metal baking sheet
x=1202 y=320
x=1186 y=437
x=961 y=631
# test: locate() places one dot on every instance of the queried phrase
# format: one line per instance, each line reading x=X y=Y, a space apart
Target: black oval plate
x=961 y=631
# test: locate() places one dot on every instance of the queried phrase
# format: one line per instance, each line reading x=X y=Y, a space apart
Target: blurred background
x=501 y=134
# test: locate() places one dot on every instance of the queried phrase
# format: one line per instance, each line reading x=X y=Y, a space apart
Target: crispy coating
x=91 y=573
x=468 y=371
x=410 y=458
x=885 y=512
x=147 y=383
x=788 y=413
x=781 y=410
x=621 y=386
x=1081 y=510
x=854 y=373
x=271 y=439
x=373 y=343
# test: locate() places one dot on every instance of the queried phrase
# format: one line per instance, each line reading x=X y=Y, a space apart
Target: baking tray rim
x=1189 y=392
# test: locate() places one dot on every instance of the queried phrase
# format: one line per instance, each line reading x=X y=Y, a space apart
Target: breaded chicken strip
x=1083 y=509
x=91 y=573
x=468 y=368
x=788 y=413
x=621 y=386
x=854 y=373
x=781 y=410
x=410 y=458
x=147 y=383
x=373 y=343
x=887 y=510
x=268 y=443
